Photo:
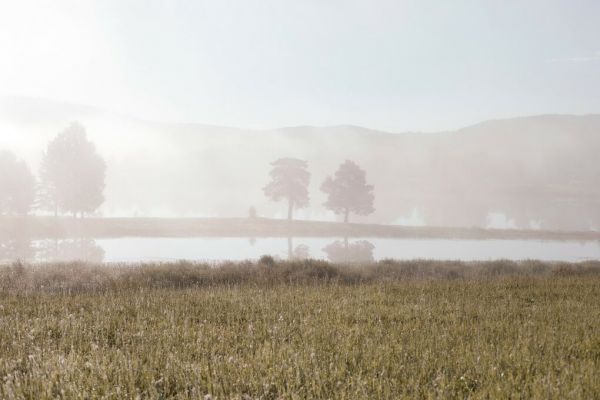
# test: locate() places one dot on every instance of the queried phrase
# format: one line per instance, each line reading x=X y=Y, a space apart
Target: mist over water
x=526 y=173
x=273 y=199
x=365 y=118
x=336 y=250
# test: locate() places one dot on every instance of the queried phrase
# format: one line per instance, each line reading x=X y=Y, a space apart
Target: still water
x=333 y=249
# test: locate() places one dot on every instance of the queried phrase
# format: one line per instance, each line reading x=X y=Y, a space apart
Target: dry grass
x=77 y=277
x=301 y=330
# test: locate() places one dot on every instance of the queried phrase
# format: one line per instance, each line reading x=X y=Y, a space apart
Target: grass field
x=301 y=330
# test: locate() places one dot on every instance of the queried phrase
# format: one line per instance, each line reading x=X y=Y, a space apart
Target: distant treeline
x=72 y=181
x=537 y=172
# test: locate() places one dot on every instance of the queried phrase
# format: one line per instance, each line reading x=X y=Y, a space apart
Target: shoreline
x=68 y=227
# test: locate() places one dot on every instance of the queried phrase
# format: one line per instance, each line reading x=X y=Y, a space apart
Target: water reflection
x=344 y=251
x=15 y=242
x=18 y=244
x=65 y=250
x=16 y=248
x=300 y=252
x=22 y=247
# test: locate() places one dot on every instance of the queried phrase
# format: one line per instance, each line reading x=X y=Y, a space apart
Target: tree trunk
x=347 y=212
x=290 y=248
x=290 y=209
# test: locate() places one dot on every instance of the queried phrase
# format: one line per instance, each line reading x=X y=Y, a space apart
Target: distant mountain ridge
x=23 y=108
x=537 y=170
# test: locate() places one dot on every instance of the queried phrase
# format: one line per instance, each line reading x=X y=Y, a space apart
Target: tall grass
x=78 y=276
x=299 y=330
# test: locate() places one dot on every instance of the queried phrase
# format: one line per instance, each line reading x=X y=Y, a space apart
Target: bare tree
x=72 y=173
x=348 y=191
x=289 y=180
x=17 y=185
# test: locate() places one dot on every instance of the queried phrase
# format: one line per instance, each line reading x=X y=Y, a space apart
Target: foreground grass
x=494 y=330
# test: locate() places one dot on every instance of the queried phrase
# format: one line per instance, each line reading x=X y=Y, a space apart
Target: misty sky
x=393 y=65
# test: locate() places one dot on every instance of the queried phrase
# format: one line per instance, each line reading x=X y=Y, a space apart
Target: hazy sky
x=394 y=65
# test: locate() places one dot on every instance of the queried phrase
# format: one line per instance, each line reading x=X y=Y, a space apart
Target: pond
x=134 y=249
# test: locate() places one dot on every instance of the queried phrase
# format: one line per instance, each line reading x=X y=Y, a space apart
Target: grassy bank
x=301 y=330
x=50 y=227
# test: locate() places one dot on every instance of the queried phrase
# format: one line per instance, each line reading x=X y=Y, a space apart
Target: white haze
x=535 y=172
x=394 y=65
x=188 y=101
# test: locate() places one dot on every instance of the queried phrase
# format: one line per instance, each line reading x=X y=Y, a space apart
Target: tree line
x=71 y=181
x=71 y=178
x=347 y=190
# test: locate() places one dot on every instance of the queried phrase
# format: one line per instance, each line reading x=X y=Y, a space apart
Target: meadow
x=300 y=330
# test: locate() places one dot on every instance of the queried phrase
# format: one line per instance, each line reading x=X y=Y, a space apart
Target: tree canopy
x=72 y=173
x=17 y=185
x=289 y=180
x=348 y=191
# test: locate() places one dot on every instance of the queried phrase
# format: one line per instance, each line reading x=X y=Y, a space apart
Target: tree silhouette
x=72 y=174
x=289 y=180
x=17 y=185
x=348 y=191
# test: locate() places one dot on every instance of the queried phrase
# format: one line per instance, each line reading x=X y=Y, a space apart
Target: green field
x=301 y=330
